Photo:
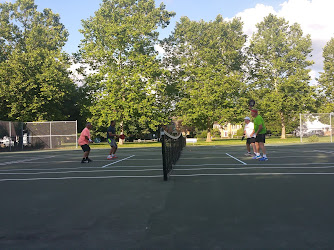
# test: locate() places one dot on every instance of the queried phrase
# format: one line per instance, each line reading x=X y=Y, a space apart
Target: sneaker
x=89 y=160
x=248 y=154
x=84 y=161
x=114 y=157
x=109 y=158
x=257 y=157
x=263 y=159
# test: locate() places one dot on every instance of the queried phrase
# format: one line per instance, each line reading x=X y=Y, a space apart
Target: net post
x=76 y=133
x=164 y=162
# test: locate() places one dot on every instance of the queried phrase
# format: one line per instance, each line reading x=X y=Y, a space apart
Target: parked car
x=6 y=141
x=318 y=132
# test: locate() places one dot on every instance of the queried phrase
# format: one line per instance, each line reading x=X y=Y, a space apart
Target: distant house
x=227 y=130
x=314 y=127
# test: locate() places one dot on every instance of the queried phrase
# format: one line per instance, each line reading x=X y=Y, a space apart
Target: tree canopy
x=326 y=80
x=279 y=74
x=207 y=73
x=209 y=59
x=119 y=45
x=34 y=80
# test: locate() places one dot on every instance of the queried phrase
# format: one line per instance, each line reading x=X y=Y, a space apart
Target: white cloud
x=314 y=74
x=314 y=16
x=159 y=49
x=76 y=77
x=252 y=16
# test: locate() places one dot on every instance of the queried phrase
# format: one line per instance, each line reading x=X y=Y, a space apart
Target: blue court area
x=215 y=198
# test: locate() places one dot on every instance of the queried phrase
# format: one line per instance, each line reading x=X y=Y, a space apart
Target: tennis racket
x=251 y=103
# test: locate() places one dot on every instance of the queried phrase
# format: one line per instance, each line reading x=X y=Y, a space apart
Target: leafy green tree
x=34 y=80
x=279 y=73
x=326 y=80
x=205 y=58
x=118 y=46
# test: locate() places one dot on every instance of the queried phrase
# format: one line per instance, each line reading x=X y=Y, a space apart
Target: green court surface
x=216 y=198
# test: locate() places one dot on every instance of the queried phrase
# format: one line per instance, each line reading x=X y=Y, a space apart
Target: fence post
x=10 y=136
x=76 y=134
x=300 y=125
x=50 y=135
x=330 y=124
x=22 y=135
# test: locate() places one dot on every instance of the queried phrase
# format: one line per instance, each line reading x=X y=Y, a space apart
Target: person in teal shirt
x=260 y=133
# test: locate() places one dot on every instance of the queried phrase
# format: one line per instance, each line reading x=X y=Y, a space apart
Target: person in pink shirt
x=84 y=141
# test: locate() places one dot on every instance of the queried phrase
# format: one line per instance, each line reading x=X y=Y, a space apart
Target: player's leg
x=254 y=148
x=111 y=152
x=257 y=146
x=252 y=144
x=115 y=149
x=86 y=150
x=87 y=158
x=248 y=148
x=263 y=148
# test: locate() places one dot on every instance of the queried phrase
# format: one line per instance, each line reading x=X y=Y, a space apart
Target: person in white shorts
x=248 y=131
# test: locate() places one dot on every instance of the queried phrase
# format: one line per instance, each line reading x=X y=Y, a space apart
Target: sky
x=314 y=16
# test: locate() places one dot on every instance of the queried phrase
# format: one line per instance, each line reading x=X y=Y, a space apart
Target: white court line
x=248 y=174
x=262 y=164
x=236 y=159
x=322 y=151
x=160 y=176
x=177 y=165
x=24 y=161
x=118 y=161
x=81 y=177
x=248 y=168
x=91 y=171
x=53 y=169
x=158 y=159
x=149 y=168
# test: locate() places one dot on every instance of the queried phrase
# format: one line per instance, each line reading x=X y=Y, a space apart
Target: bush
x=313 y=138
x=202 y=134
x=240 y=132
x=215 y=133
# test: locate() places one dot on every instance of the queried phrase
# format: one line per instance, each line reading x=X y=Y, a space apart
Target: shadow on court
x=211 y=201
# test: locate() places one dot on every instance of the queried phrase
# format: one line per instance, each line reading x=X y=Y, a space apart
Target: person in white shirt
x=248 y=131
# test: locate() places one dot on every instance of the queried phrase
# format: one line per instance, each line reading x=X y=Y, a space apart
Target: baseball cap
x=246 y=118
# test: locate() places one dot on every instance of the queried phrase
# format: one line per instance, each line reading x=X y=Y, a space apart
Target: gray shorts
x=112 y=143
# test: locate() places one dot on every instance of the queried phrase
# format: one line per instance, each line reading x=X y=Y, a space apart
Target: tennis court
x=215 y=198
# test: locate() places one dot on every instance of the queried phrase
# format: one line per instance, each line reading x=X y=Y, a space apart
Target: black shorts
x=250 y=140
x=85 y=148
x=261 y=138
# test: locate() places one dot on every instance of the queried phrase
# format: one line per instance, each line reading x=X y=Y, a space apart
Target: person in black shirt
x=111 y=134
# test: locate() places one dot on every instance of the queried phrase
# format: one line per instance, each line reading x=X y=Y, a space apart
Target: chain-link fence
x=15 y=136
x=316 y=127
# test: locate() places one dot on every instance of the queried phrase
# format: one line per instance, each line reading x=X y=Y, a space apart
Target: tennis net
x=171 y=151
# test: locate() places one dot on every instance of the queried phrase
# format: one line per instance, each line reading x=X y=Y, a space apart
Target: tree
x=118 y=45
x=279 y=77
x=34 y=81
x=326 y=80
x=206 y=58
